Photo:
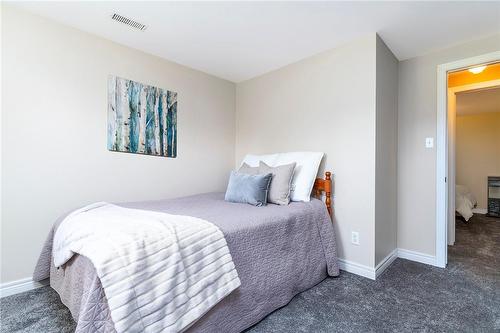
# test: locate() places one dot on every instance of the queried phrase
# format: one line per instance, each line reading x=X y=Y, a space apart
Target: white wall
x=54 y=155
x=478 y=152
x=323 y=103
x=417 y=120
x=386 y=152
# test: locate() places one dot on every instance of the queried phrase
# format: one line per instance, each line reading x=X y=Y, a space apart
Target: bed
x=465 y=201
x=278 y=251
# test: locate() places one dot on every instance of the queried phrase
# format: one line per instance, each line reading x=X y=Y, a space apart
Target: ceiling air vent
x=129 y=22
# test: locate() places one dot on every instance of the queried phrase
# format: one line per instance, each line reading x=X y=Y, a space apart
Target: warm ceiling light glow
x=477 y=70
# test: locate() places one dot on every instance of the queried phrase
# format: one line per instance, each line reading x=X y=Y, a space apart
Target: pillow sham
x=305 y=174
x=245 y=168
x=250 y=189
x=279 y=190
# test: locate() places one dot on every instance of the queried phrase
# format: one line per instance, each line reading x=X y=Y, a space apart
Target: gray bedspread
x=278 y=251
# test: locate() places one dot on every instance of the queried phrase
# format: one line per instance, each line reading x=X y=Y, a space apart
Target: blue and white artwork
x=142 y=119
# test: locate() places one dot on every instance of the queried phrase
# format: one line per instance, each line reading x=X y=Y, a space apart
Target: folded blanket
x=160 y=272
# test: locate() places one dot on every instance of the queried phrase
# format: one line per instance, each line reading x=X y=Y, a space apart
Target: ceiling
x=241 y=40
x=478 y=101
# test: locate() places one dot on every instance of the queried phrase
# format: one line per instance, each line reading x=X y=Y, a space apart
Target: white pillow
x=306 y=170
x=305 y=173
x=253 y=160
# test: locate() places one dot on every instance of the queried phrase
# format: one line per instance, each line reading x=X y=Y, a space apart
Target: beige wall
x=323 y=103
x=386 y=152
x=417 y=120
x=478 y=152
x=54 y=155
x=54 y=152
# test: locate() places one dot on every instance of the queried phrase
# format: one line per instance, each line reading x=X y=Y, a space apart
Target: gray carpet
x=464 y=297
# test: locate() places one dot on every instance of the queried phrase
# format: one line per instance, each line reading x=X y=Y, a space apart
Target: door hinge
x=445 y=179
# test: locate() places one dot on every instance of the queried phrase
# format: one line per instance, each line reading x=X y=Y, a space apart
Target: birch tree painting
x=141 y=119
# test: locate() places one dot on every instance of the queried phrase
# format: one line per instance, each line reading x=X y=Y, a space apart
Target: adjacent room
x=477 y=145
x=474 y=163
x=292 y=166
x=474 y=115
x=477 y=150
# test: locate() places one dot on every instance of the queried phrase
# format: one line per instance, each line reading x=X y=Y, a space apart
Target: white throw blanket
x=160 y=272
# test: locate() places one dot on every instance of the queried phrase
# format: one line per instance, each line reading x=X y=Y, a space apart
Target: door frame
x=442 y=147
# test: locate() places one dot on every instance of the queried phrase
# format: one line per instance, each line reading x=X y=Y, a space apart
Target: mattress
x=278 y=251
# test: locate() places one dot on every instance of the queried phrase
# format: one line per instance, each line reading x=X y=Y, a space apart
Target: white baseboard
x=373 y=273
x=19 y=286
x=417 y=256
x=358 y=269
x=479 y=210
x=367 y=271
x=386 y=262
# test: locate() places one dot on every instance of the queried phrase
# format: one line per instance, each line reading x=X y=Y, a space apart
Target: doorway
x=473 y=139
x=445 y=185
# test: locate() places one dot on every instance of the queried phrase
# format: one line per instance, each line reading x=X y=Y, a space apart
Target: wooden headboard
x=324 y=185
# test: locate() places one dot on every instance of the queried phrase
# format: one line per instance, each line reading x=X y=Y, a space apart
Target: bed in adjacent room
x=465 y=201
x=278 y=251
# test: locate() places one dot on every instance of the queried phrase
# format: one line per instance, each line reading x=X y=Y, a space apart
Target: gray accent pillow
x=279 y=191
x=250 y=189
x=245 y=168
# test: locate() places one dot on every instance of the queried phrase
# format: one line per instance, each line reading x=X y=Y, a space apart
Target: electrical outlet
x=355 y=238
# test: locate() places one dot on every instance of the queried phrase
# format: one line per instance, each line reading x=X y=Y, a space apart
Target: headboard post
x=324 y=185
x=328 y=192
